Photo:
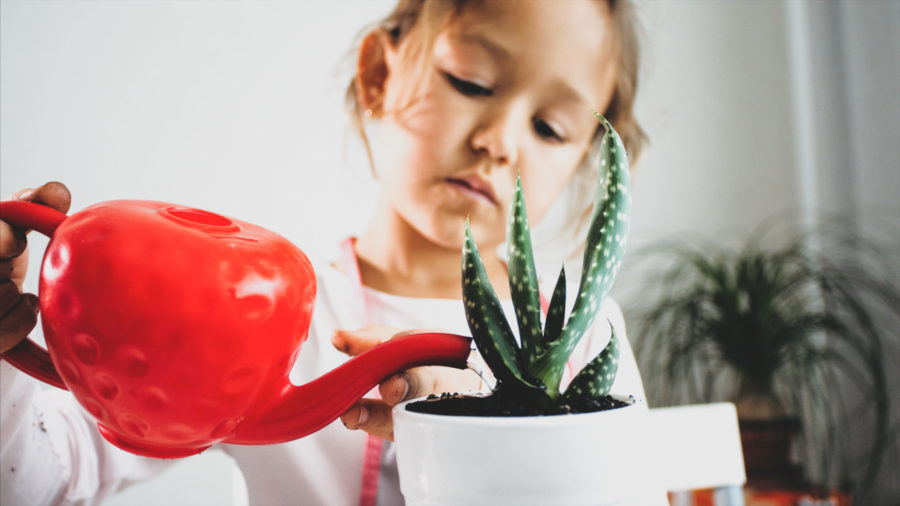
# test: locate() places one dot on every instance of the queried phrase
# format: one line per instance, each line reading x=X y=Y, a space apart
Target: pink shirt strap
x=371 y=467
x=372 y=454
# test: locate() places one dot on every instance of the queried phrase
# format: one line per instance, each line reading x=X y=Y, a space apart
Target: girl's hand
x=374 y=415
x=18 y=311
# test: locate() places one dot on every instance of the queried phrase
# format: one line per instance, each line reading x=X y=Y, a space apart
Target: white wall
x=714 y=104
x=236 y=107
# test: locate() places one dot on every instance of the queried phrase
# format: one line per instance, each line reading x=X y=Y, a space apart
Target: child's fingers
x=394 y=389
x=372 y=416
x=22 y=194
x=12 y=244
x=18 y=322
x=354 y=342
x=18 y=312
x=424 y=381
x=52 y=194
x=9 y=295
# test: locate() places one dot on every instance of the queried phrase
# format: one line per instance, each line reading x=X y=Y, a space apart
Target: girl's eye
x=468 y=88
x=546 y=131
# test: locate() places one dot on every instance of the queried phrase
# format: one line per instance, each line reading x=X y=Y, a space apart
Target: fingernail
x=363 y=416
x=26 y=195
x=405 y=388
x=340 y=342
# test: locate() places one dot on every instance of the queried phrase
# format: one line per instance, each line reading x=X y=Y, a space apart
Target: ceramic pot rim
x=565 y=420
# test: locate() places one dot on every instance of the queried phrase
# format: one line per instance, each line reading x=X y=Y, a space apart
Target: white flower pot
x=591 y=458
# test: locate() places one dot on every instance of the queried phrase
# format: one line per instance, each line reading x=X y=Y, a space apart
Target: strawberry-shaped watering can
x=176 y=328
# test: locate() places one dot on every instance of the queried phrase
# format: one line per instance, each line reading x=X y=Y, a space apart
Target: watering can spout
x=298 y=411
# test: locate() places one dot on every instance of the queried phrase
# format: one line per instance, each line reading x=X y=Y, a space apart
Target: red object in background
x=765 y=497
x=176 y=328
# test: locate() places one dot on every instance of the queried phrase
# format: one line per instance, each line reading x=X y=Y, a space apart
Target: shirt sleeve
x=51 y=451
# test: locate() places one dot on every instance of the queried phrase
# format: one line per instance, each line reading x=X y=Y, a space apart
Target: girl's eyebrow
x=497 y=51
x=571 y=93
x=500 y=53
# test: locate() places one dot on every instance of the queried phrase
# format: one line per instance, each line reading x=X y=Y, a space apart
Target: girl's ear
x=372 y=71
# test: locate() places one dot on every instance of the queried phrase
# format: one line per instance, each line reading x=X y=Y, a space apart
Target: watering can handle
x=28 y=356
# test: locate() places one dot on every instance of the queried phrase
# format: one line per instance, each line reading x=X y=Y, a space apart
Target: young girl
x=461 y=96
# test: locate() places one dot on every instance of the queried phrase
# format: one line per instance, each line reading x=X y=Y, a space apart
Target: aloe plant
x=531 y=372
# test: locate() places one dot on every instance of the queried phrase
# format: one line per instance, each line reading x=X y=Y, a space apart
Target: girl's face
x=510 y=88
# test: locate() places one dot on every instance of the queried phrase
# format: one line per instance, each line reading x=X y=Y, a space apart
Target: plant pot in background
x=797 y=332
x=768 y=446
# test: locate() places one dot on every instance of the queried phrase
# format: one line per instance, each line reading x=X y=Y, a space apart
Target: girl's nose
x=496 y=136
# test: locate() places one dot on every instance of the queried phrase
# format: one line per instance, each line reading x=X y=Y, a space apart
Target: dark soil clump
x=493 y=405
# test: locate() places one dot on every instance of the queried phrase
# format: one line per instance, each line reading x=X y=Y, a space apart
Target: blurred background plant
x=791 y=327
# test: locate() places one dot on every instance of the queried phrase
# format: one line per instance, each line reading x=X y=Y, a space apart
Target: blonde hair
x=418 y=23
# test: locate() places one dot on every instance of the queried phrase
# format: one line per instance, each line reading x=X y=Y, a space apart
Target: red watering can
x=176 y=328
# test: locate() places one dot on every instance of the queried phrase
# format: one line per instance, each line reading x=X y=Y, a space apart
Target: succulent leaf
x=596 y=378
x=523 y=281
x=604 y=249
x=607 y=234
x=556 y=313
x=532 y=374
x=487 y=322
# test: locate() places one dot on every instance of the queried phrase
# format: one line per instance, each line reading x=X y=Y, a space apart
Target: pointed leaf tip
x=523 y=282
x=556 y=310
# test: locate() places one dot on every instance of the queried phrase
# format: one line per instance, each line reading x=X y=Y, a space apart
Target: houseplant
x=792 y=332
x=481 y=449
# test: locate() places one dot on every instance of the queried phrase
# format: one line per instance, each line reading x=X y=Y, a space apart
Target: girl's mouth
x=475 y=187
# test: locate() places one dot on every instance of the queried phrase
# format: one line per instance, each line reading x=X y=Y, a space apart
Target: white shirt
x=51 y=452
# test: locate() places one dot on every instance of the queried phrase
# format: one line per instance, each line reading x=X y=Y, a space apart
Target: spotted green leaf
x=604 y=249
x=556 y=313
x=523 y=281
x=487 y=322
x=596 y=378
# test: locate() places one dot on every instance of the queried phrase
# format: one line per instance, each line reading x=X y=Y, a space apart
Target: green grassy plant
x=789 y=327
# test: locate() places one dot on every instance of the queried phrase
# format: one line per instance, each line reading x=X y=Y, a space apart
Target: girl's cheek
x=548 y=174
x=429 y=112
